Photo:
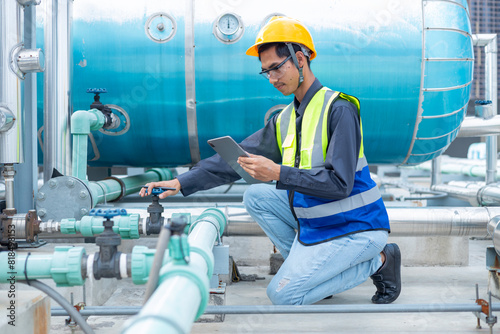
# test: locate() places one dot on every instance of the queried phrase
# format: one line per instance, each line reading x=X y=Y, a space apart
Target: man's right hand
x=170 y=183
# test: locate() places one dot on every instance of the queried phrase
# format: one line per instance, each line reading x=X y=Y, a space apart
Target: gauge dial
x=228 y=24
x=228 y=28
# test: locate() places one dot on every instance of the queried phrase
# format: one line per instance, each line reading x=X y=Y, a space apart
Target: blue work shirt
x=333 y=181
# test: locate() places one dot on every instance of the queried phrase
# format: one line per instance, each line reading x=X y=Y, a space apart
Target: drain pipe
x=183 y=294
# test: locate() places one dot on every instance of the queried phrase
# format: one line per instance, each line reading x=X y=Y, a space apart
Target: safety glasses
x=277 y=71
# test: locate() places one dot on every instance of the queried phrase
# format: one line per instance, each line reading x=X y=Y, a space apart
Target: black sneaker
x=388 y=278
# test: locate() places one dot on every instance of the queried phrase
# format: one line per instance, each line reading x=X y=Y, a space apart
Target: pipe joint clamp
x=66 y=266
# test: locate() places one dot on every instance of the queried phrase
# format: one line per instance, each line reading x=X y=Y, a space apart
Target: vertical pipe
x=8 y=174
x=27 y=173
x=436 y=171
x=11 y=146
x=194 y=146
x=57 y=89
x=491 y=94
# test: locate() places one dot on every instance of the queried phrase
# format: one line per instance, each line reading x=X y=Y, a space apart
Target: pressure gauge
x=228 y=28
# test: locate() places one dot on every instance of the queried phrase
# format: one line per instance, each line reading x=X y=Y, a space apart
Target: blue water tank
x=409 y=62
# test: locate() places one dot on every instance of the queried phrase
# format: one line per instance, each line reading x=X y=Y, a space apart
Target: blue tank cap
x=108 y=213
x=96 y=90
x=482 y=102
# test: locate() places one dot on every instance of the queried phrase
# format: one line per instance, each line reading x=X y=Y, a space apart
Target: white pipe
x=8 y=175
x=449 y=165
x=405 y=222
x=489 y=41
x=11 y=145
x=479 y=127
x=436 y=171
x=57 y=88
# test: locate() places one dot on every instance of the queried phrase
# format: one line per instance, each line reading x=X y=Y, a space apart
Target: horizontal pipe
x=112 y=189
x=467 y=167
x=282 y=309
x=479 y=127
x=438 y=221
x=477 y=193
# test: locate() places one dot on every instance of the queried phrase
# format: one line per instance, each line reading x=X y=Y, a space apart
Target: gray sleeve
x=336 y=179
x=214 y=171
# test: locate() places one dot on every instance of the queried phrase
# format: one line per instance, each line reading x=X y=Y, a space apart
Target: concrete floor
x=421 y=285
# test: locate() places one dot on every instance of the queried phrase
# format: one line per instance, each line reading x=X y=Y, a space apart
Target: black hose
x=63 y=302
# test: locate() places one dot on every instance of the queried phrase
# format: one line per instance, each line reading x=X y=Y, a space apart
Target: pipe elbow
x=84 y=121
x=80 y=122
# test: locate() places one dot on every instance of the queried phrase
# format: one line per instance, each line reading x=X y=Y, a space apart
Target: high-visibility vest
x=322 y=219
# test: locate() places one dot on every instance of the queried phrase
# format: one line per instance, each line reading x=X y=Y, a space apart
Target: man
x=325 y=214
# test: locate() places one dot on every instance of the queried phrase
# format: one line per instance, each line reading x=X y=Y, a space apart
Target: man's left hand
x=260 y=168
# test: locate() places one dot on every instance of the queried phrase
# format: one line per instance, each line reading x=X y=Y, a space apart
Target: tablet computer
x=230 y=151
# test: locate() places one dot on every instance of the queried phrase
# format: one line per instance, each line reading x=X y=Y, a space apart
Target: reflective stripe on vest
x=347 y=204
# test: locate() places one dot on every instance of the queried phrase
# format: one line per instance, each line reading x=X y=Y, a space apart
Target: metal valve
x=112 y=121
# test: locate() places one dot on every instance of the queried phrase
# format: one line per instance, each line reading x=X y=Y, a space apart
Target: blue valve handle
x=158 y=190
x=96 y=90
x=108 y=213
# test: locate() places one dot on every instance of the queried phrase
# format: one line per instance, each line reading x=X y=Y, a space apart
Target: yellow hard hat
x=283 y=29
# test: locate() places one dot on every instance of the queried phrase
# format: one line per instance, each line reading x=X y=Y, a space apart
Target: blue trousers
x=311 y=273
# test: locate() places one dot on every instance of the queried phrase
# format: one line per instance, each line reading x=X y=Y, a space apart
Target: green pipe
x=111 y=189
x=183 y=292
x=64 y=266
x=82 y=123
x=126 y=226
x=142 y=262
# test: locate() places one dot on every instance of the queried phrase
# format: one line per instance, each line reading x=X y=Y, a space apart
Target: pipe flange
x=63 y=197
x=122 y=126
